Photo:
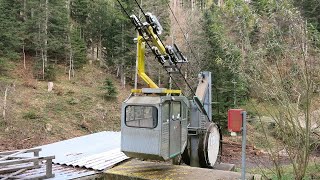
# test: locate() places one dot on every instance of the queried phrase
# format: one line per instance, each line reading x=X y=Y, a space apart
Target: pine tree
x=78 y=49
x=109 y=89
x=10 y=22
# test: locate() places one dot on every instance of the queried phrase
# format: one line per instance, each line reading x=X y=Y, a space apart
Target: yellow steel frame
x=141 y=46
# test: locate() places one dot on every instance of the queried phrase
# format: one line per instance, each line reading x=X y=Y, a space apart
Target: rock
x=283 y=152
x=50 y=86
x=48 y=127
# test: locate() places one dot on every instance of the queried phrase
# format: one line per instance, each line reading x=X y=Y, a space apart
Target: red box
x=235 y=120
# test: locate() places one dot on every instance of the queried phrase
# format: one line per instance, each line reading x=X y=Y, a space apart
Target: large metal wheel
x=209 y=150
x=210 y=146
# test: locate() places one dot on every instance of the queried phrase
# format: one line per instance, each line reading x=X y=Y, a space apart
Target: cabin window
x=166 y=112
x=141 y=116
x=176 y=110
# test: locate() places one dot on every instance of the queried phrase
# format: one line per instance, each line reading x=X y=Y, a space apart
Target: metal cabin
x=154 y=127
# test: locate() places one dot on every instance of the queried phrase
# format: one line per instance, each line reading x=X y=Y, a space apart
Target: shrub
x=30 y=115
x=109 y=89
x=50 y=73
x=3 y=66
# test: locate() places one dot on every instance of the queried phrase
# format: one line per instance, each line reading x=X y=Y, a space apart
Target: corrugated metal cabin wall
x=141 y=140
x=184 y=126
x=164 y=131
x=165 y=128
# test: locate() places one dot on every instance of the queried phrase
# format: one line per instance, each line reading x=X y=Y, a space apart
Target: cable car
x=161 y=124
x=154 y=127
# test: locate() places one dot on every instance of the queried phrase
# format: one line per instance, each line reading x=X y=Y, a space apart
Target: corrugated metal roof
x=143 y=100
x=81 y=156
x=60 y=172
x=98 y=151
x=100 y=161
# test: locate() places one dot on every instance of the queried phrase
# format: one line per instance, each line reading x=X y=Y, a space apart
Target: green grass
x=30 y=115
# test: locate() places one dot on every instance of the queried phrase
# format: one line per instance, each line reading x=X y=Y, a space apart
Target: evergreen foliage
x=57 y=29
x=110 y=90
x=90 y=24
x=10 y=40
x=78 y=49
x=223 y=60
x=51 y=73
x=310 y=9
x=3 y=66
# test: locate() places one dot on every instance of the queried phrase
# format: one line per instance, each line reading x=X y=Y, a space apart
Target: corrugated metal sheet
x=98 y=151
x=61 y=172
x=82 y=156
x=99 y=161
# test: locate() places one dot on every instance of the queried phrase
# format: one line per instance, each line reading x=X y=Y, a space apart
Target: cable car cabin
x=154 y=127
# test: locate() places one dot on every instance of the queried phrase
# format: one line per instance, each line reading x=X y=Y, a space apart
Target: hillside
x=35 y=116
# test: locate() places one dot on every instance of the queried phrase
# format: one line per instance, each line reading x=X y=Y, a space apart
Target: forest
x=263 y=55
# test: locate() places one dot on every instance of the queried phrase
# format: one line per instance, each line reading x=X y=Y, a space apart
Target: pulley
x=209 y=148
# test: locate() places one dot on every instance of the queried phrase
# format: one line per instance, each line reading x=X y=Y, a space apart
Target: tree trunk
x=43 y=63
x=192 y=4
x=24 y=58
x=5 y=104
x=24 y=21
x=24 y=10
x=100 y=51
x=122 y=76
x=92 y=52
x=46 y=34
x=70 y=63
x=71 y=67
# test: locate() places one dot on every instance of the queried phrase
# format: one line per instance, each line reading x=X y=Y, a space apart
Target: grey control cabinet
x=154 y=127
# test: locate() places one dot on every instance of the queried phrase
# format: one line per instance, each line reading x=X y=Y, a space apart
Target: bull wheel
x=210 y=146
x=209 y=151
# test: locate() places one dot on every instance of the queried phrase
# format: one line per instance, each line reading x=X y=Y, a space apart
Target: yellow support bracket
x=164 y=91
x=141 y=46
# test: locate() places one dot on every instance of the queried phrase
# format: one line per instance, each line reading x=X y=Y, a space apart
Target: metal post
x=234 y=93
x=36 y=154
x=49 y=173
x=136 y=70
x=244 y=133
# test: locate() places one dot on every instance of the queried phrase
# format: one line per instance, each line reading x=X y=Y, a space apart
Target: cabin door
x=175 y=128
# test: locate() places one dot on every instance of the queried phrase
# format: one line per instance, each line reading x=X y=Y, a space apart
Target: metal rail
x=13 y=163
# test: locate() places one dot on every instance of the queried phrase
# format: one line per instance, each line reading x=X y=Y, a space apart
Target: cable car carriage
x=154 y=127
x=159 y=123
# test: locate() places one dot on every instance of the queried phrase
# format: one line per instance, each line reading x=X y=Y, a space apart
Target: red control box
x=235 y=120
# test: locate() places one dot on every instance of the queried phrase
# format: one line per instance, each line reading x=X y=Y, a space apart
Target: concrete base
x=225 y=167
x=138 y=170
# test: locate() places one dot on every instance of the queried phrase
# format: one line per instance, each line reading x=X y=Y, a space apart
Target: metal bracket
x=156 y=91
x=195 y=131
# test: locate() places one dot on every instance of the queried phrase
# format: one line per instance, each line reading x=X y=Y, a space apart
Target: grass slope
x=74 y=108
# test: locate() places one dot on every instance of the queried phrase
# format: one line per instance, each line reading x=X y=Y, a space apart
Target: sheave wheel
x=210 y=146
